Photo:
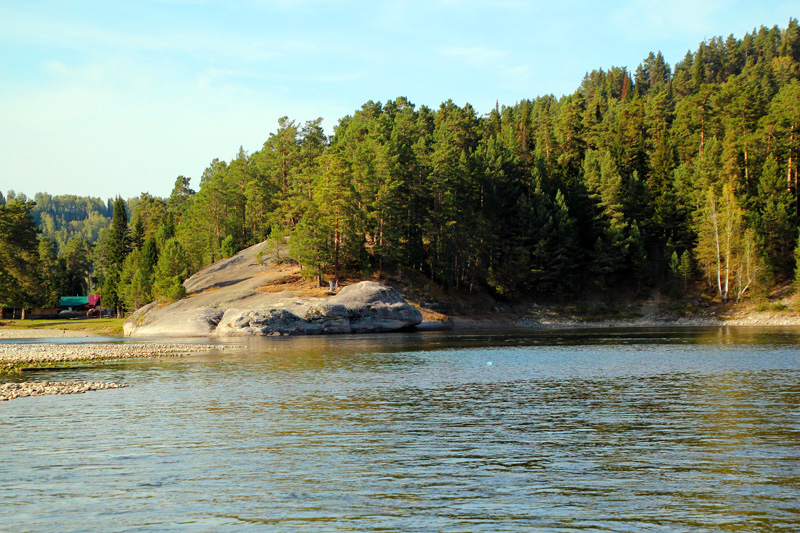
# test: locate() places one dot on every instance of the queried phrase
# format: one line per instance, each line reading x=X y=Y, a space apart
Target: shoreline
x=43 y=333
x=537 y=321
x=12 y=391
x=14 y=354
x=554 y=321
x=18 y=357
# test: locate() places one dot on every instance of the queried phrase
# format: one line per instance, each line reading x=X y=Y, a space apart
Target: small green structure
x=80 y=303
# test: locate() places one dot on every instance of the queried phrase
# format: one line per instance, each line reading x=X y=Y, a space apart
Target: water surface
x=606 y=430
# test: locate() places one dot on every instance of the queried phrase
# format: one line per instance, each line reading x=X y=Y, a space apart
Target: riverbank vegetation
x=663 y=177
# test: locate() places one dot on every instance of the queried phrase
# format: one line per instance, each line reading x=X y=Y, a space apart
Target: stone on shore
x=366 y=307
x=373 y=307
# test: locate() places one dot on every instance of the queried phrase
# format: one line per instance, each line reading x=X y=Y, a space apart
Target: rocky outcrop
x=179 y=321
x=375 y=307
x=366 y=307
x=243 y=296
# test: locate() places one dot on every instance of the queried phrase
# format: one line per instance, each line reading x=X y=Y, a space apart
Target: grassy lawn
x=98 y=326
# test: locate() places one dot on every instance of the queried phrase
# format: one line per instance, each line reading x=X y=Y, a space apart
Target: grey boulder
x=366 y=307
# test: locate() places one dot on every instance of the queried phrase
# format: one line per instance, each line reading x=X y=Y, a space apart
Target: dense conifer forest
x=657 y=177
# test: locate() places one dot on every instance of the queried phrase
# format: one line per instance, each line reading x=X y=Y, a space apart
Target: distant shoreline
x=554 y=321
x=537 y=321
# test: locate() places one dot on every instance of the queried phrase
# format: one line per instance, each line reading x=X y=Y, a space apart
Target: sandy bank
x=11 y=391
x=647 y=320
x=30 y=333
x=656 y=321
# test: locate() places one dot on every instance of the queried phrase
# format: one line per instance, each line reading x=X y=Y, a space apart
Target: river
x=562 y=430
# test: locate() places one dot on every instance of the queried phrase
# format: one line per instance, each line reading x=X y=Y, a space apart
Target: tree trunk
x=336 y=254
x=746 y=168
x=717 y=244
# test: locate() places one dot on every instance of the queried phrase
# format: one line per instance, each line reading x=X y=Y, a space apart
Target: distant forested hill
x=64 y=216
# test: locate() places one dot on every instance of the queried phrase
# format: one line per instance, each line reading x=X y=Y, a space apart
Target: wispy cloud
x=476 y=55
x=655 y=20
x=36 y=29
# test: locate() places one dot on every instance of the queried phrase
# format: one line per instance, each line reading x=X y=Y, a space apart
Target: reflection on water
x=616 y=430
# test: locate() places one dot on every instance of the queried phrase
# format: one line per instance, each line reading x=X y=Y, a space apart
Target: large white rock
x=181 y=321
x=373 y=307
x=361 y=308
x=227 y=300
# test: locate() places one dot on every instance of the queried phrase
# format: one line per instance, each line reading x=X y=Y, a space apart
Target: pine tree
x=685 y=268
x=53 y=273
x=336 y=205
x=170 y=273
x=775 y=218
x=77 y=257
x=20 y=284
x=117 y=249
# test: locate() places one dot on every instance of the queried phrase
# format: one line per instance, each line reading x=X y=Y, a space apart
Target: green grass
x=32 y=366
x=99 y=326
x=775 y=307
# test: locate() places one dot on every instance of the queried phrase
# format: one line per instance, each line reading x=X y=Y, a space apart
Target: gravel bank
x=14 y=354
x=11 y=391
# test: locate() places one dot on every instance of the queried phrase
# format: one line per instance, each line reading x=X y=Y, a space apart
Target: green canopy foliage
x=624 y=183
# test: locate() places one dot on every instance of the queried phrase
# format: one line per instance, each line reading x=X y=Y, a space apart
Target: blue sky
x=104 y=98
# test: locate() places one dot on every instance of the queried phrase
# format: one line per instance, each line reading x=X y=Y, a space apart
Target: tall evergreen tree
x=117 y=249
x=20 y=285
x=170 y=272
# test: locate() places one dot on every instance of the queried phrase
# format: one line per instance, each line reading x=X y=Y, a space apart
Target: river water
x=606 y=430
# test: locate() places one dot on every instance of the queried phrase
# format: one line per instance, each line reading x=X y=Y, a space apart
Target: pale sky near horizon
x=107 y=98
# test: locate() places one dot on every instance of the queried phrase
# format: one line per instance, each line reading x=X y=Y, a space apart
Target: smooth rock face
x=373 y=307
x=228 y=299
x=182 y=321
x=361 y=308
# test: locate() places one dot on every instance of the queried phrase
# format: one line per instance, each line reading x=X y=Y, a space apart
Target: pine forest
x=662 y=177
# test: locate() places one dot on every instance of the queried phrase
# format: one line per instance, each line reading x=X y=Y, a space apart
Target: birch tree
x=726 y=249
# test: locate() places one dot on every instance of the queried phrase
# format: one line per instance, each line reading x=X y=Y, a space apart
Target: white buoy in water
x=489 y=363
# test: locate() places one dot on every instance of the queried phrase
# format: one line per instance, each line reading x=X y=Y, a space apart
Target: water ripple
x=635 y=431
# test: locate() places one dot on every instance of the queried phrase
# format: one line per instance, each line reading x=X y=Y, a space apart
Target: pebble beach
x=14 y=356
x=11 y=391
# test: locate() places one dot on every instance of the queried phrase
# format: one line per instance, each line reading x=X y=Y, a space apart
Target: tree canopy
x=638 y=178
